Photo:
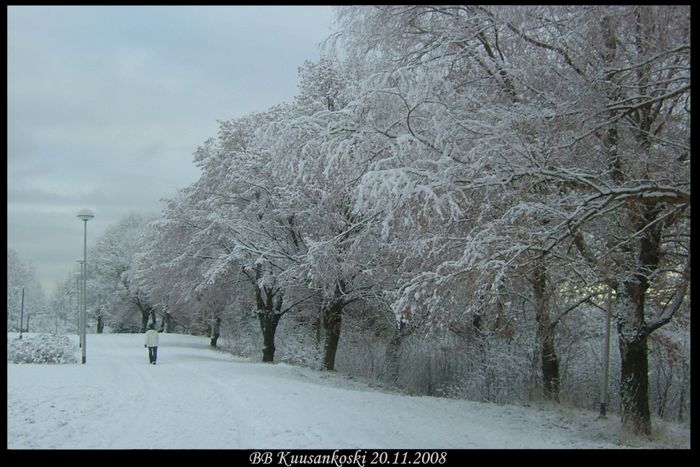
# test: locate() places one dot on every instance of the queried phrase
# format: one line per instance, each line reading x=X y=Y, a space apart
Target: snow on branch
x=674 y=305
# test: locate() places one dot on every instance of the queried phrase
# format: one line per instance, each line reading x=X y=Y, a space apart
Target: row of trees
x=114 y=297
x=470 y=176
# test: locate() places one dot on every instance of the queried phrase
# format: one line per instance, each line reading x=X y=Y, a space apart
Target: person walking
x=152 y=344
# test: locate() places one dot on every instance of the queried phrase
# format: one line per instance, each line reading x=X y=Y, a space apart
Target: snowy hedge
x=41 y=348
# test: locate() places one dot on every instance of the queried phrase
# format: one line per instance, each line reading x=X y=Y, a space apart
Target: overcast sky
x=106 y=105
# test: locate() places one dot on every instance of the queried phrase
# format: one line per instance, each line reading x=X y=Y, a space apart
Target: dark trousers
x=152 y=354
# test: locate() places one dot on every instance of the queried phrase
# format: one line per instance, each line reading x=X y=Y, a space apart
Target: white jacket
x=152 y=338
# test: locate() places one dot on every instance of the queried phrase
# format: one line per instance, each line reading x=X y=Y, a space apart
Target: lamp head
x=85 y=215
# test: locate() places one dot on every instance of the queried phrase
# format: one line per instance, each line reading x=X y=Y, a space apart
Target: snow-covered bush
x=298 y=342
x=240 y=335
x=41 y=348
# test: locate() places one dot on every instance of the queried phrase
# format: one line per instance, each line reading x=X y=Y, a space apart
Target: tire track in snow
x=164 y=397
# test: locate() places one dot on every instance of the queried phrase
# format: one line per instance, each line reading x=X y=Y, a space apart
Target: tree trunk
x=215 y=332
x=144 y=318
x=545 y=333
x=634 y=366
x=393 y=357
x=100 y=324
x=167 y=317
x=320 y=333
x=550 y=369
x=632 y=330
x=393 y=351
x=268 y=302
x=332 y=317
x=634 y=386
x=268 y=325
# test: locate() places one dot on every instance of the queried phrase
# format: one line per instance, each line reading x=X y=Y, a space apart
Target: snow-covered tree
x=64 y=304
x=229 y=225
x=632 y=218
x=515 y=131
x=115 y=297
x=25 y=296
x=317 y=159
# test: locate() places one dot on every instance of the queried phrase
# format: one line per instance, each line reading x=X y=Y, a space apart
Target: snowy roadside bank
x=196 y=398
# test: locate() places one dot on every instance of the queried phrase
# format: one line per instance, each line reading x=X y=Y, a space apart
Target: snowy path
x=196 y=398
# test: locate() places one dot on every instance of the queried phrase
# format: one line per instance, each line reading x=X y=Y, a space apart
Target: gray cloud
x=107 y=104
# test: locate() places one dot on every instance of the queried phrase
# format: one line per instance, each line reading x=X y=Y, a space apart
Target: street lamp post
x=79 y=292
x=84 y=215
x=21 y=315
x=606 y=360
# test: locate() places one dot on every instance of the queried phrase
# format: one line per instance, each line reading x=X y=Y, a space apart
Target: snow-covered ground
x=198 y=398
